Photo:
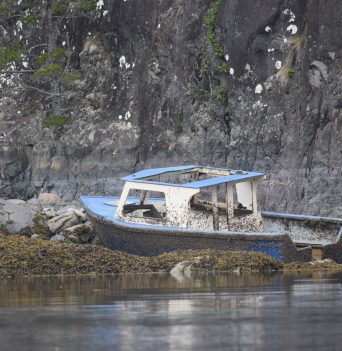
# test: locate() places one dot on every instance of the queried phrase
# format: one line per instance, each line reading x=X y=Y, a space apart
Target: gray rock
x=58 y=237
x=50 y=199
x=16 y=216
x=49 y=212
x=16 y=202
x=69 y=218
x=83 y=233
x=73 y=239
x=34 y=202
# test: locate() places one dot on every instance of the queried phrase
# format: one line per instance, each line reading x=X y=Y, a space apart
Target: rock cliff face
x=154 y=91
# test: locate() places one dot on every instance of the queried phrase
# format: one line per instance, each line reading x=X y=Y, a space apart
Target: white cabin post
x=229 y=201
x=122 y=200
x=255 y=184
x=178 y=206
x=215 y=208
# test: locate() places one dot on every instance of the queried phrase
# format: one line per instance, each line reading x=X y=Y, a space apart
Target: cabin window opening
x=203 y=201
x=145 y=204
x=242 y=194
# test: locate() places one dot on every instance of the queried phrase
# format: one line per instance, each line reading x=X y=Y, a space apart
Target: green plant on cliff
x=220 y=94
x=11 y=53
x=212 y=60
x=209 y=23
x=286 y=72
x=46 y=63
x=56 y=121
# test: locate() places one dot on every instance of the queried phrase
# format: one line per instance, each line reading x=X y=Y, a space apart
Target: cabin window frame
x=150 y=208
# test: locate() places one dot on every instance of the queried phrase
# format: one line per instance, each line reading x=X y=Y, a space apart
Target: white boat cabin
x=192 y=197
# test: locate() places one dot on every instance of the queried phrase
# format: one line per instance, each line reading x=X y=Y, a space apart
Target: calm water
x=160 y=312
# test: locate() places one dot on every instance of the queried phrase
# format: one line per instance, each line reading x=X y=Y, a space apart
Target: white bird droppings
x=258 y=89
x=127 y=115
x=122 y=61
x=99 y=4
x=292 y=28
x=291 y=14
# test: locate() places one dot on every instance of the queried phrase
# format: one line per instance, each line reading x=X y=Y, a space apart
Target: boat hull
x=151 y=242
x=324 y=234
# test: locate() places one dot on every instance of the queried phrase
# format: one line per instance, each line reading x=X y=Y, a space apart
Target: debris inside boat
x=193 y=207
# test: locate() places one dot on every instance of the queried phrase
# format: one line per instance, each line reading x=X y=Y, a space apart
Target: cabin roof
x=220 y=176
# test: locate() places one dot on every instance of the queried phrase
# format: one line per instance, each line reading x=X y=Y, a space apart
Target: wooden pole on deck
x=143 y=197
x=227 y=204
x=215 y=209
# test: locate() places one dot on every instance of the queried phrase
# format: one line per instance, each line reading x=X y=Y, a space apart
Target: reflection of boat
x=192 y=207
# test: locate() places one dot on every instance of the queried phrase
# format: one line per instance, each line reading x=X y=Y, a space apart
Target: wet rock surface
x=141 y=101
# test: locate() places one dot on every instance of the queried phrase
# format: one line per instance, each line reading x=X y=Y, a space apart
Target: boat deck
x=104 y=207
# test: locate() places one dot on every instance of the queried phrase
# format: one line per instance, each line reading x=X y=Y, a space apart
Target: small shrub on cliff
x=56 y=121
x=10 y=54
x=70 y=76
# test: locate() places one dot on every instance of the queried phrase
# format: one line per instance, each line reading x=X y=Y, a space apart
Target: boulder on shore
x=46 y=199
x=82 y=233
x=16 y=217
x=69 y=218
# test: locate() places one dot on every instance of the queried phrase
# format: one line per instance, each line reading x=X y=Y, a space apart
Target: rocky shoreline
x=46 y=217
x=46 y=236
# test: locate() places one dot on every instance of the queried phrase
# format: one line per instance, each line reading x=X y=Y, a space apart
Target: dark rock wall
x=137 y=103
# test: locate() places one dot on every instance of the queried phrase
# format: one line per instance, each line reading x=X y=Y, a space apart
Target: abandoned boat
x=193 y=207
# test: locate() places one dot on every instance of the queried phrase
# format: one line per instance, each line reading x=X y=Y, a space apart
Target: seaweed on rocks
x=23 y=256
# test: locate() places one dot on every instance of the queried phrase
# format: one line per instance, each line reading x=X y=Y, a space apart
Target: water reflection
x=158 y=312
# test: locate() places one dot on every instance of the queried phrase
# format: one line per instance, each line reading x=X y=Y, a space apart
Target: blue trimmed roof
x=156 y=171
x=232 y=178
